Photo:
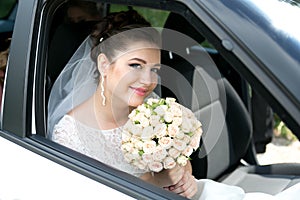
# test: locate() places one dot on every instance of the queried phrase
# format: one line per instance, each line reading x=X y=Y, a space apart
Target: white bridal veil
x=77 y=82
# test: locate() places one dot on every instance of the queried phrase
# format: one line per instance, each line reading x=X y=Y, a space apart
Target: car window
x=263 y=133
x=6 y=7
x=6 y=29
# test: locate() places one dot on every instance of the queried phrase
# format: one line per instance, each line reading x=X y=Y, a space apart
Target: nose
x=147 y=77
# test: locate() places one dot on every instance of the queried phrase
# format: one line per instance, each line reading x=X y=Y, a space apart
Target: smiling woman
x=118 y=64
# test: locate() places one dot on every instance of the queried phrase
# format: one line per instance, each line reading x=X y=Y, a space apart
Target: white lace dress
x=105 y=146
x=102 y=145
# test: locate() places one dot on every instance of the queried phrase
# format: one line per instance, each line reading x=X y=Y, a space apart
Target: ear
x=102 y=63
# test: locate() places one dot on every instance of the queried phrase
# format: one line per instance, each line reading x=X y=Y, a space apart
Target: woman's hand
x=165 y=178
x=179 y=180
x=186 y=187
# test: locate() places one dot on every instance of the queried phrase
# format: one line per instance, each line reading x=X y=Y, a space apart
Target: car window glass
x=6 y=29
x=5 y=7
x=257 y=106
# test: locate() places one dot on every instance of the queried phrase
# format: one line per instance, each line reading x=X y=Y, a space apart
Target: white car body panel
x=41 y=178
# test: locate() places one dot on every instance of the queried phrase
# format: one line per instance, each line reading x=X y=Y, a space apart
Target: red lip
x=139 y=91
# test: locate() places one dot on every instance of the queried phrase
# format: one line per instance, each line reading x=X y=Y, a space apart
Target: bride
x=113 y=71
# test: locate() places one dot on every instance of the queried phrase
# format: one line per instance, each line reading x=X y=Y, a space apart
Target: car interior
x=208 y=85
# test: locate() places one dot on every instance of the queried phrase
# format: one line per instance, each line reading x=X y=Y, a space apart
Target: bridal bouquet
x=160 y=134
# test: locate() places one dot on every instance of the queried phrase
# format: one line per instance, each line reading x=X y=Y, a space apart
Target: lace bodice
x=102 y=145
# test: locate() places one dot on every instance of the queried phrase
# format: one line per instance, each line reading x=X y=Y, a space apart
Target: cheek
x=118 y=79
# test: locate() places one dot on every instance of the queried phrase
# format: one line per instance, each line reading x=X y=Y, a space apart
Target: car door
x=36 y=168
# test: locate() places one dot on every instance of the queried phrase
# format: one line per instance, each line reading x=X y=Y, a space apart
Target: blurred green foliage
x=281 y=130
x=5 y=7
x=157 y=18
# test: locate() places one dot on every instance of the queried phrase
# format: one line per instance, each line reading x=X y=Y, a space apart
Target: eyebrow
x=138 y=59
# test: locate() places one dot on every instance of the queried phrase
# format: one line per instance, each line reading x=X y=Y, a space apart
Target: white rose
x=152 y=101
x=160 y=130
x=176 y=110
x=186 y=125
x=140 y=164
x=173 y=152
x=199 y=132
x=128 y=126
x=186 y=139
x=179 y=144
x=197 y=124
x=138 y=144
x=144 y=121
x=155 y=166
x=147 y=113
x=136 y=130
x=165 y=142
x=182 y=160
x=127 y=147
x=170 y=100
x=128 y=157
x=195 y=142
x=180 y=135
x=126 y=136
x=159 y=154
x=148 y=158
x=141 y=108
x=154 y=120
x=135 y=154
x=149 y=146
x=177 y=121
x=160 y=110
x=147 y=133
x=173 y=130
x=187 y=112
x=168 y=117
x=132 y=114
x=187 y=151
x=138 y=117
x=169 y=163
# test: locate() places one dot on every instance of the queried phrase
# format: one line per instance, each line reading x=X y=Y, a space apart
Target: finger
x=176 y=177
x=176 y=186
x=190 y=191
x=182 y=185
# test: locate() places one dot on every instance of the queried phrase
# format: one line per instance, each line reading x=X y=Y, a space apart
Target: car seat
x=227 y=126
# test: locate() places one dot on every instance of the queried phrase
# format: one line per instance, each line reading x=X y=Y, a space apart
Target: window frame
x=29 y=96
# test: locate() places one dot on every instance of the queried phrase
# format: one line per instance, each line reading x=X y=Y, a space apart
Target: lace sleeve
x=66 y=134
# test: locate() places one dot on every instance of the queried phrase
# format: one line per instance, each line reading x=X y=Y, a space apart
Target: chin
x=135 y=102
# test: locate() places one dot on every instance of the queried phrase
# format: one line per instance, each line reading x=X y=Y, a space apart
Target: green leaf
x=141 y=152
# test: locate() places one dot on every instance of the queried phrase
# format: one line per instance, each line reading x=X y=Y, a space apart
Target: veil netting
x=76 y=83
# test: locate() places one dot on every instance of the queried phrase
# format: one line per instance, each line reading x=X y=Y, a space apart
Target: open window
x=214 y=90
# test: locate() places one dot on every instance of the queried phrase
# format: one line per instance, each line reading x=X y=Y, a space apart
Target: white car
x=253 y=48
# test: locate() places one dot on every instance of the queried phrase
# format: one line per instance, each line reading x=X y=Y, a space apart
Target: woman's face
x=133 y=75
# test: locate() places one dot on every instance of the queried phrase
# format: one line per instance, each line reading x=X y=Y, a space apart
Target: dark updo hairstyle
x=126 y=27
